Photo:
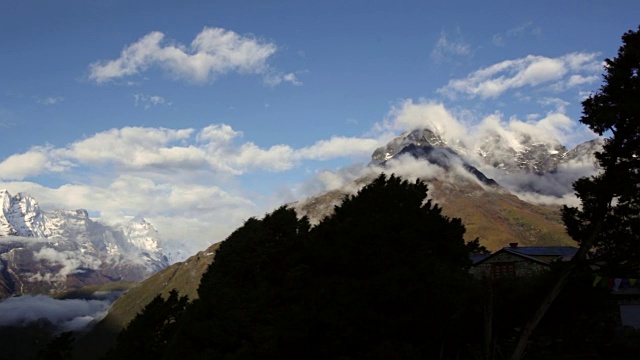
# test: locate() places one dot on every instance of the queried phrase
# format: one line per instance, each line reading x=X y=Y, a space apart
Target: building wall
x=522 y=267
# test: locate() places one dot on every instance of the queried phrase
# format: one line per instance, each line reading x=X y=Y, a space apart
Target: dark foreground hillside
x=385 y=276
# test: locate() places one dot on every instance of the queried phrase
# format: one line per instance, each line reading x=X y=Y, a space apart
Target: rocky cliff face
x=52 y=251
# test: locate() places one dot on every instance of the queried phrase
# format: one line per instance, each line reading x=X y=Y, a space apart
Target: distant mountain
x=493 y=214
x=488 y=211
x=183 y=276
x=521 y=153
x=53 y=251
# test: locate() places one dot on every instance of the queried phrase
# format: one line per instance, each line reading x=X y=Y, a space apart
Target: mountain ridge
x=52 y=251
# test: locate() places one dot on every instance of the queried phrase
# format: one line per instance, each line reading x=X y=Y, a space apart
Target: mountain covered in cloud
x=505 y=187
x=48 y=252
x=511 y=153
x=457 y=182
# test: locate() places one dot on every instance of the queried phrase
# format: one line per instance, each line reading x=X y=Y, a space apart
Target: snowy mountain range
x=522 y=153
x=505 y=187
x=52 y=251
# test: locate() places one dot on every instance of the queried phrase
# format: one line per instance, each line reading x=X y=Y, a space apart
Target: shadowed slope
x=183 y=276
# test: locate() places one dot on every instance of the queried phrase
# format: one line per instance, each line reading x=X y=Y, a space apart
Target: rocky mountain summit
x=52 y=251
x=488 y=208
x=521 y=153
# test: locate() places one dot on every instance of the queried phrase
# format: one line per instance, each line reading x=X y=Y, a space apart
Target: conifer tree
x=608 y=222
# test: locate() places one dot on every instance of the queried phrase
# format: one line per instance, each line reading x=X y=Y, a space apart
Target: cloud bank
x=184 y=181
x=214 y=149
x=65 y=315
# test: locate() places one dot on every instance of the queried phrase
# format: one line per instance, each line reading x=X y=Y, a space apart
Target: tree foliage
x=59 y=348
x=384 y=276
x=147 y=335
x=609 y=220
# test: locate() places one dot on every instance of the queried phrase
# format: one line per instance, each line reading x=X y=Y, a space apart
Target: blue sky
x=197 y=115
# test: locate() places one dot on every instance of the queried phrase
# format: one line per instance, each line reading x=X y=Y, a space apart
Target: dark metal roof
x=566 y=252
x=528 y=252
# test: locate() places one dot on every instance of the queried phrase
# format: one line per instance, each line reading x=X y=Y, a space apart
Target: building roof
x=530 y=252
x=564 y=251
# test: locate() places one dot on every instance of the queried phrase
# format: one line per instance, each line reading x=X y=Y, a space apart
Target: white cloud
x=446 y=48
x=148 y=101
x=338 y=146
x=36 y=161
x=291 y=77
x=70 y=262
x=213 y=52
x=530 y=71
x=51 y=100
x=161 y=150
x=66 y=315
x=274 y=78
x=527 y=28
x=188 y=215
x=408 y=115
x=184 y=181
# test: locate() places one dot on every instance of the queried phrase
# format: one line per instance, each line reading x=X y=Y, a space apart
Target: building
x=515 y=261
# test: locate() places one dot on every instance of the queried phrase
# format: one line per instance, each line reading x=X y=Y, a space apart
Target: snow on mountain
x=419 y=138
x=522 y=153
x=49 y=251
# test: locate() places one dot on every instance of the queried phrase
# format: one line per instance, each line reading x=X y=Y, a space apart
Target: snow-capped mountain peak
x=518 y=152
x=68 y=245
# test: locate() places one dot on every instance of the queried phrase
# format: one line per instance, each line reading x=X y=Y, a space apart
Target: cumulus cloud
x=408 y=115
x=184 y=181
x=36 y=161
x=65 y=315
x=446 y=48
x=530 y=71
x=214 y=52
x=214 y=148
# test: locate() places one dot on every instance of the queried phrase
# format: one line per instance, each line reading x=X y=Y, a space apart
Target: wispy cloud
x=214 y=52
x=149 y=101
x=449 y=47
x=562 y=72
x=51 y=100
x=527 y=28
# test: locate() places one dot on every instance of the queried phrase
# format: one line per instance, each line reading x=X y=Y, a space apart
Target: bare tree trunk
x=561 y=282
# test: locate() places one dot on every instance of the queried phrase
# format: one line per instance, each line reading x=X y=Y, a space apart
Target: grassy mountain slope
x=183 y=276
x=492 y=214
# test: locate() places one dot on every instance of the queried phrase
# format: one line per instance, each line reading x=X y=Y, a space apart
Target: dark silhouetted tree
x=608 y=223
x=59 y=348
x=147 y=334
x=384 y=276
